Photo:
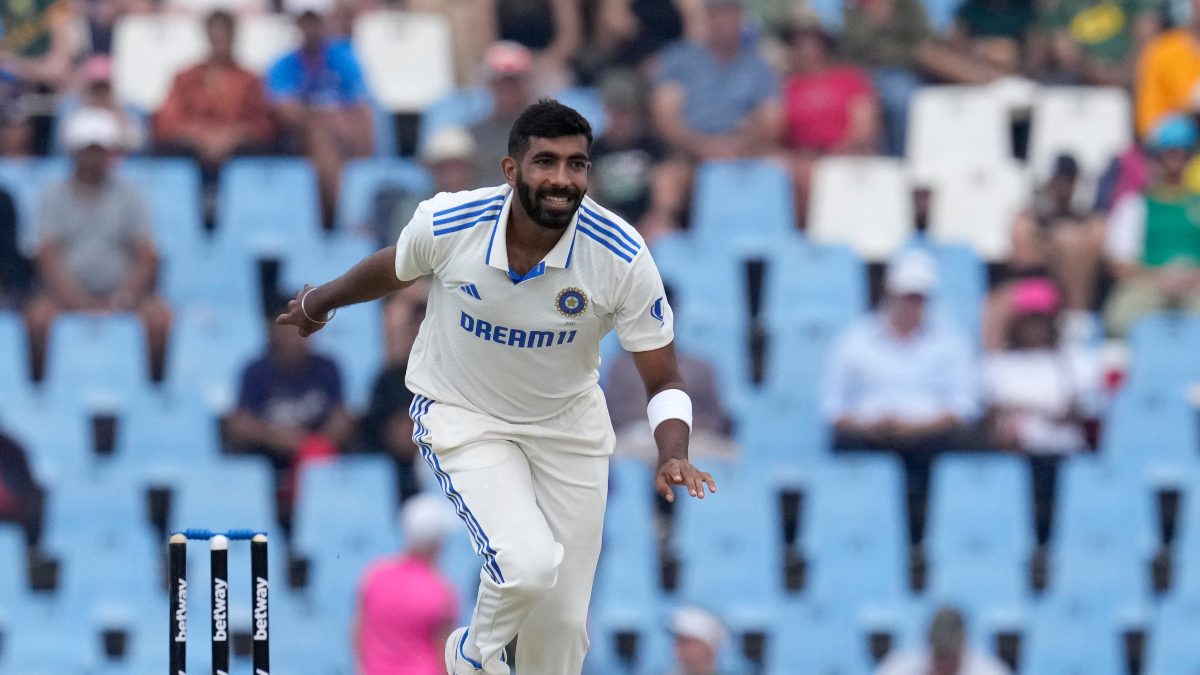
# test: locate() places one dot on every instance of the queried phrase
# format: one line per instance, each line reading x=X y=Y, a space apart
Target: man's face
x=286 y=345
x=695 y=656
x=551 y=179
x=312 y=32
x=908 y=311
x=453 y=175
x=946 y=662
x=1173 y=162
x=511 y=94
x=220 y=39
x=725 y=27
x=93 y=160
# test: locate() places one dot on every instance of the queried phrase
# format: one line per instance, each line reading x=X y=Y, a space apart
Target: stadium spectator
x=1058 y=238
x=551 y=29
x=96 y=250
x=102 y=16
x=406 y=607
x=320 y=97
x=22 y=500
x=37 y=45
x=628 y=33
x=16 y=132
x=716 y=99
x=699 y=638
x=215 y=109
x=628 y=161
x=903 y=381
x=626 y=397
x=1167 y=74
x=947 y=652
x=1153 y=241
x=1040 y=391
x=16 y=271
x=449 y=157
x=402 y=315
x=290 y=409
x=387 y=428
x=893 y=41
x=95 y=77
x=828 y=107
x=508 y=69
x=1093 y=42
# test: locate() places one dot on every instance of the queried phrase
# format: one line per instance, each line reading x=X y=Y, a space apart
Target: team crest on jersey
x=571 y=301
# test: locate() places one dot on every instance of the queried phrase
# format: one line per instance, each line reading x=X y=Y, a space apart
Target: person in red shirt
x=406 y=608
x=829 y=108
x=216 y=108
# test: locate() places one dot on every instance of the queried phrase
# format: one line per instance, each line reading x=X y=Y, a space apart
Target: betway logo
x=181 y=611
x=220 y=623
x=260 y=609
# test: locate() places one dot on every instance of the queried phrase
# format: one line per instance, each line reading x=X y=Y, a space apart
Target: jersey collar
x=496 y=253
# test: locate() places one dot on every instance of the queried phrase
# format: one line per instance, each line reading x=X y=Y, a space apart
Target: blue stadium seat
x=459 y=108
x=268 y=206
x=1072 y=635
x=1104 y=537
x=172 y=190
x=25 y=179
x=209 y=348
x=1187 y=544
x=1172 y=646
x=743 y=205
x=96 y=362
x=702 y=280
x=782 y=438
x=14 y=581
x=725 y=345
x=14 y=357
x=1151 y=431
x=159 y=437
x=227 y=493
x=817 y=639
x=855 y=539
x=980 y=534
x=363 y=488
x=797 y=356
x=941 y=13
x=830 y=14
x=221 y=278
x=46 y=639
x=588 y=102
x=626 y=594
x=961 y=286
x=355 y=338
x=748 y=597
x=58 y=440
x=1165 y=352
x=806 y=279
x=362 y=178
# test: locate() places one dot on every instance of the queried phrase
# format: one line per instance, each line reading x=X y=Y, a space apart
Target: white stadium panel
x=407 y=57
x=956 y=129
x=262 y=39
x=1092 y=123
x=148 y=50
x=977 y=208
x=862 y=202
x=202 y=7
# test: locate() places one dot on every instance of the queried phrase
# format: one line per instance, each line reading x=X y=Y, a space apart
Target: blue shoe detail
x=463 y=641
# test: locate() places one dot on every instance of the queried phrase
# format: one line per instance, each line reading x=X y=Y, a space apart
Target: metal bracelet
x=328 y=318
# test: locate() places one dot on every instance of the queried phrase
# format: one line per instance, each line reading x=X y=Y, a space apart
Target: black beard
x=553 y=220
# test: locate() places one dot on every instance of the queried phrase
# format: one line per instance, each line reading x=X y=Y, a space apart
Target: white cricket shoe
x=456 y=662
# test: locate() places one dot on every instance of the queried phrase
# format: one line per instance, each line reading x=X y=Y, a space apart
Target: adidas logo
x=470 y=290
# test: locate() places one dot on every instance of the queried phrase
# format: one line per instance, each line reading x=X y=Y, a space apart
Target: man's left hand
x=681 y=472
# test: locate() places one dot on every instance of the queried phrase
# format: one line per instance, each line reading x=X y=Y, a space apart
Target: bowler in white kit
x=527 y=278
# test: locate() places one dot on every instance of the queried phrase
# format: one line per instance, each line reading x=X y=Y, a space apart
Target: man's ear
x=509 y=166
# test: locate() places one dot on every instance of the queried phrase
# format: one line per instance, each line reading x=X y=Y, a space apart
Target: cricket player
x=527 y=278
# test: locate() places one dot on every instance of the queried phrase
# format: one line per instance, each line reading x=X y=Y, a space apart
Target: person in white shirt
x=902 y=380
x=699 y=638
x=527 y=277
x=947 y=653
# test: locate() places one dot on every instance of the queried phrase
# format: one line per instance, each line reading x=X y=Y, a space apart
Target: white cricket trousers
x=532 y=497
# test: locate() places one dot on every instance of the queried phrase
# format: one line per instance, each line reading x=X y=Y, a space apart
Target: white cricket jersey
x=522 y=349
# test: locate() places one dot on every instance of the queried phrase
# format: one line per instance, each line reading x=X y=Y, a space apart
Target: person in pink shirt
x=406 y=607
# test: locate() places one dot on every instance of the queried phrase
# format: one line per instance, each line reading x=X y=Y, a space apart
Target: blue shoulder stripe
x=463 y=216
x=485 y=218
x=604 y=242
x=607 y=232
x=632 y=242
x=468 y=205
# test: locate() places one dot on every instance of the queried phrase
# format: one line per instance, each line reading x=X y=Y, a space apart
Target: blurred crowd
x=680 y=82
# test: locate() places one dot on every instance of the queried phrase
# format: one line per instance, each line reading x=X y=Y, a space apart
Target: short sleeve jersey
x=523 y=348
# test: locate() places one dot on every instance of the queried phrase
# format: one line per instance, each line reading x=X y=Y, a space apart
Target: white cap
x=697 y=624
x=448 y=143
x=425 y=519
x=92 y=126
x=912 y=272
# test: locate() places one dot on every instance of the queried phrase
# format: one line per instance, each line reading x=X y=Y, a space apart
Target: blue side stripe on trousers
x=420 y=406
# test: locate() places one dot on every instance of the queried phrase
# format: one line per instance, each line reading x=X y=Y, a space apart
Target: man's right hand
x=295 y=314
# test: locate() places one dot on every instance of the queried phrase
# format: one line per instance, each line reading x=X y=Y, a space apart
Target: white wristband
x=669 y=404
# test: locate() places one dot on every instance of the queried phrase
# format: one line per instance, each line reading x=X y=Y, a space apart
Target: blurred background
x=936 y=269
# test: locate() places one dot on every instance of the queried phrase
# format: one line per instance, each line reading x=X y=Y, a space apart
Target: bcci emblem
x=571 y=302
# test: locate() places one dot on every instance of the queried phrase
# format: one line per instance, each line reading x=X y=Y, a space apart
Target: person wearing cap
x=406 y=607
x=1039 y=391
x=96 y=250
x=716 y=99
x=1153 y=241
x=508 y=71
x=699 y=638
x=901 y=380
x=96 y=91
x=947 y=652
x=320 y=97
x=1168 y=73
x=216 y=108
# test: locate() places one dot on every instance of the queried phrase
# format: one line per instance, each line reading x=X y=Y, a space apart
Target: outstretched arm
x=660 y=373
x=370 y=279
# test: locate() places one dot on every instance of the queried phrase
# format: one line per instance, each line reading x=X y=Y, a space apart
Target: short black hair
x=546 y=119
x=221 y=16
